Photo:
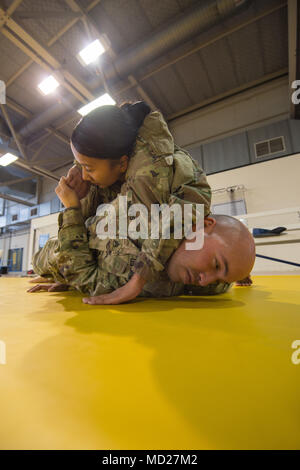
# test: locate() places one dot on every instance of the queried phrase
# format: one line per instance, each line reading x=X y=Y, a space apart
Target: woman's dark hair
x=109 y=132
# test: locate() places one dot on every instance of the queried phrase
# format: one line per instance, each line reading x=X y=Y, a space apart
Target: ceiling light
x=48 y=85
x=7 y=159
x=101 y=101
x=91 y=52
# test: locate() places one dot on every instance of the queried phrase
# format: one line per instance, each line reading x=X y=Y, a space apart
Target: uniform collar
x=154 y=131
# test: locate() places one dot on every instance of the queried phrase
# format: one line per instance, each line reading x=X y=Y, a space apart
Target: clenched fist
x=75 y=181
x=68 y=196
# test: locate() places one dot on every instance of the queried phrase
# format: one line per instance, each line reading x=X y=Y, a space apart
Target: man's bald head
x=228 y=254
x=240 y=243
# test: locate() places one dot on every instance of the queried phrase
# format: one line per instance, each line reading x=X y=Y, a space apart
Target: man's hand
x=54 y=287
x=75 y=181
x=68 y=196
x=124 y=294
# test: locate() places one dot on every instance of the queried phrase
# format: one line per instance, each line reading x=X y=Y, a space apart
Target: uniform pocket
x=96 y=243
x=115 y=256
x=122 y=257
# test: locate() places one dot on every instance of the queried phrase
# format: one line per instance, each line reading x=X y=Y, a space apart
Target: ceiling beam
x=15 y=4
x=31 y=15
x=40 y=55
x=15 y=199
x=12 y=130
x=52 y=41
x=28 y=166
x=4 y=15
x=24 y=112
x=36 y=170
x=35 y=156
x=21 y=110
x=88 y=19
x=12 y=182
x=218 y=37
x=40 y=60
x=5 y=148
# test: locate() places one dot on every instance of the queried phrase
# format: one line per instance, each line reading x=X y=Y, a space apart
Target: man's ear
x=209 y=224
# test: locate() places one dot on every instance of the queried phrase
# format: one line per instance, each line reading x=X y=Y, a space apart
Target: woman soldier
x=126 y=150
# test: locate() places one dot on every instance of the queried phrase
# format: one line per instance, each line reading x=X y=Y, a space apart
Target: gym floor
x=181 y=373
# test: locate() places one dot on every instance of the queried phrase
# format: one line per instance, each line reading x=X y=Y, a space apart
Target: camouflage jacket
x=159 y=172
x=94 y=266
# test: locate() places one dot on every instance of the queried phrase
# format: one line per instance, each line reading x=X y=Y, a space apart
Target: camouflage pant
x=43 y=261
x=51 y=261
x=47 y=263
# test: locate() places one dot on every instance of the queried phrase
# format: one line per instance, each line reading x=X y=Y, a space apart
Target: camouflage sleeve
x=90 y=202
x=78 y=264
x=151 y=185
x=190 y=182
x=189 y=185
x=156 y=252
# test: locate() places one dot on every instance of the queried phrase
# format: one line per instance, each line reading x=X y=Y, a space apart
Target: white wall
x=253 y=108
x=269 y=186
x=273 y=184
x=17 y=240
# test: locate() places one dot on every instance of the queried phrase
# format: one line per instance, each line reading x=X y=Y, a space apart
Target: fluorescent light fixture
x=101 y=101
x=7 y=159
x=48 y=85
x=92 y=52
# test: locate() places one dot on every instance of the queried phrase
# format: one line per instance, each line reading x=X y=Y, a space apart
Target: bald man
x=227 y=255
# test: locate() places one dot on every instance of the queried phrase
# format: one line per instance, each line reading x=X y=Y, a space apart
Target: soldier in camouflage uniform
x=158 y=172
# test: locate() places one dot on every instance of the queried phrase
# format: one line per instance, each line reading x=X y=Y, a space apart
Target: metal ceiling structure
x=179 y=55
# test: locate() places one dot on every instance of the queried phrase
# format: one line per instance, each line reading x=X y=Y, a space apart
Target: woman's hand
x=40 y=279
x=124 y=294
x=54 y=287
x=68 y=196
x=75 y=181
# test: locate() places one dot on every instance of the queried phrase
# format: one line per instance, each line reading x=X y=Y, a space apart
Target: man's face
x=216 y=261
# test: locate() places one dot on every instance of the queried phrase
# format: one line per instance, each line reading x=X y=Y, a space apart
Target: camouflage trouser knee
x=49 y=261
x=212 y=289
x=44 y=261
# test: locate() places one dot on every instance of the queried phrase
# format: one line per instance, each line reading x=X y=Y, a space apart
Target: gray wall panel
x=226 y=153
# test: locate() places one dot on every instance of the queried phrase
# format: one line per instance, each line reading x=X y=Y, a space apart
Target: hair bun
x=137 y=111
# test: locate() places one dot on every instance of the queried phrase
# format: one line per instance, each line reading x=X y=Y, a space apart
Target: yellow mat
x=184 y=373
